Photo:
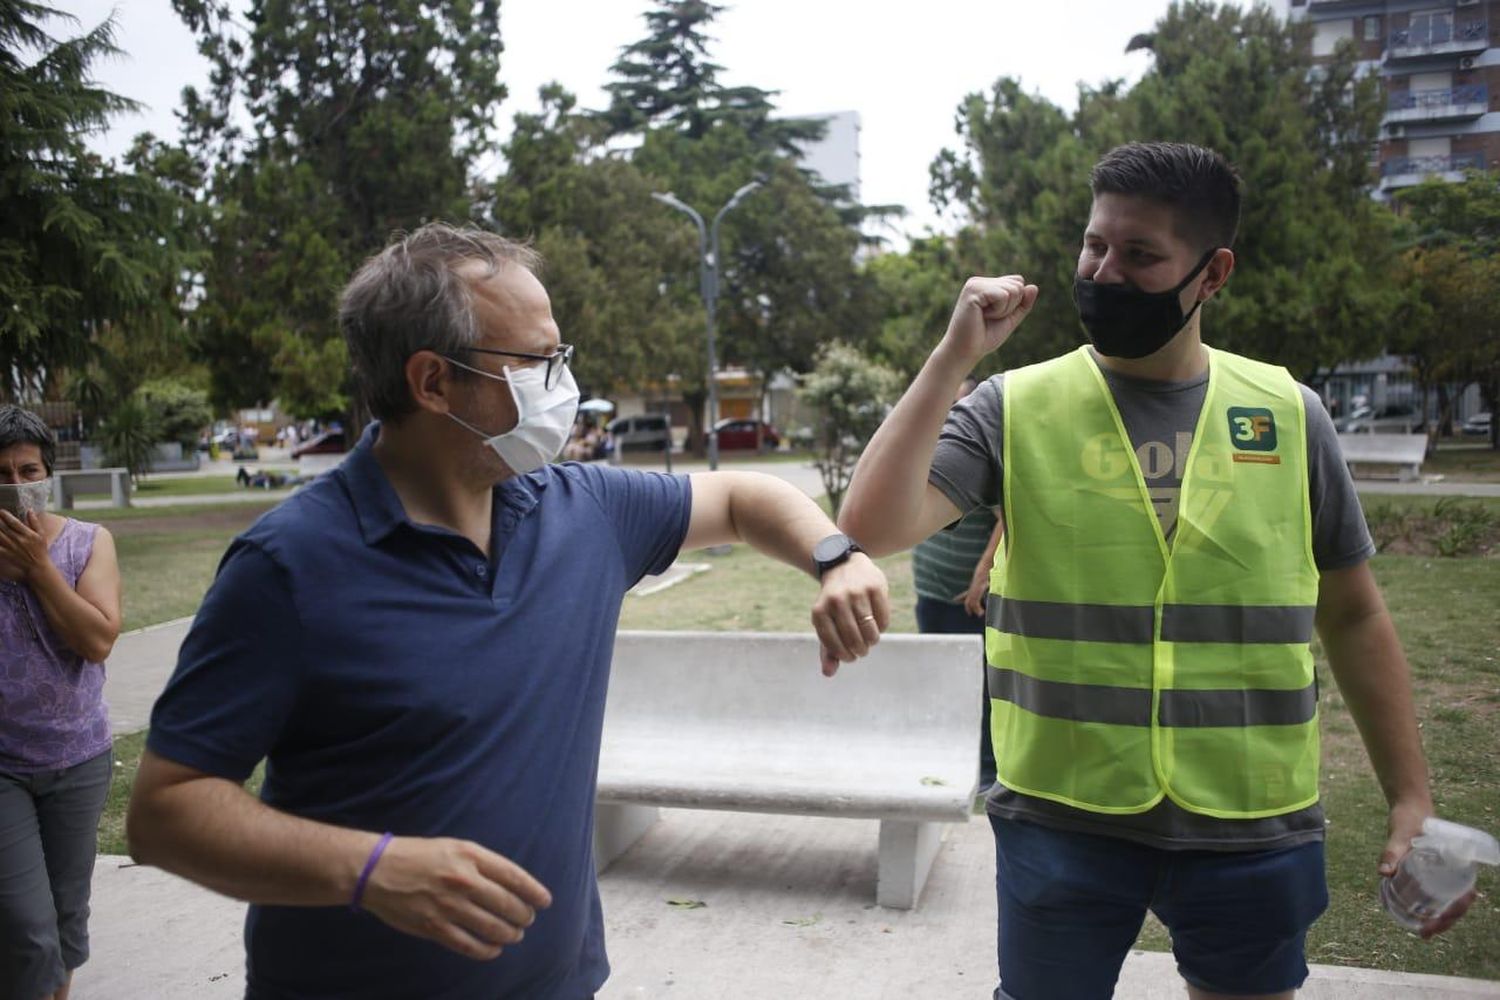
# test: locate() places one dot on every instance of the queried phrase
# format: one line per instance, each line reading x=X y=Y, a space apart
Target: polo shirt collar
x=379 y=510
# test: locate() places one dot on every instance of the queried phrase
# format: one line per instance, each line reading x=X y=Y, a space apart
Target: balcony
x=1406 y=171
x=1437 y=105
x=1438 y=38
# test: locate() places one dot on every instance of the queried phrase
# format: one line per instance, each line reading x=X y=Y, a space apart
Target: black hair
x=1200 y=187
x=18 y=426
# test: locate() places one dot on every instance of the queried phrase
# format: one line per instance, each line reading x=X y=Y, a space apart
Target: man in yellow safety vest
x=1179 y=521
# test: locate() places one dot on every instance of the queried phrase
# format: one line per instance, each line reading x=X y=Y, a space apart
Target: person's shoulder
x=1312 y=402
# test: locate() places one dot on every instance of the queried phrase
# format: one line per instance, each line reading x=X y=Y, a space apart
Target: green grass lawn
x=1465 y=461
x=168 y=555
x=1444 y=608
x=192 y=486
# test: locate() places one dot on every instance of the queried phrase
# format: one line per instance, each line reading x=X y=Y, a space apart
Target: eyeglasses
x=556 y=361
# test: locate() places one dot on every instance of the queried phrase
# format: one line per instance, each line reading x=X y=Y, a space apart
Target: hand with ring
x=851 y=612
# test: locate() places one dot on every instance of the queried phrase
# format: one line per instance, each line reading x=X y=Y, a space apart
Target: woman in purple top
x=59 y=616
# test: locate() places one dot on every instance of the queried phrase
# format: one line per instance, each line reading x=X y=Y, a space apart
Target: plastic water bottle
x=1441 y=866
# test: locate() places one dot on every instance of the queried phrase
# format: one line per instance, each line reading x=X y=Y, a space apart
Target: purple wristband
x=364 y=876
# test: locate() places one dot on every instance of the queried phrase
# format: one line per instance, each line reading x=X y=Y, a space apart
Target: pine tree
x=85 y=244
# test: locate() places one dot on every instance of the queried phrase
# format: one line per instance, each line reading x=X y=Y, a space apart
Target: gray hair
x=411 y=297
x=18 y=426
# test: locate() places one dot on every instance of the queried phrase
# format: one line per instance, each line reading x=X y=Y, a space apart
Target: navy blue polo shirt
x=394 y=678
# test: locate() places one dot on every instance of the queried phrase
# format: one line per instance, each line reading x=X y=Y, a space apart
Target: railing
x=1442 y=35
x=1404 y=165
x=1436 y=100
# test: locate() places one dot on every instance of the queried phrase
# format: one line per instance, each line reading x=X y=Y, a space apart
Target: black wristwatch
x=833 y=551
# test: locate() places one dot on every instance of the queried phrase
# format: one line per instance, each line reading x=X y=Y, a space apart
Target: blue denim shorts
x=1072 y=904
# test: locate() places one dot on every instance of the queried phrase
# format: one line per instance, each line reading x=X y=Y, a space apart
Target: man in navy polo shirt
x=419 y=644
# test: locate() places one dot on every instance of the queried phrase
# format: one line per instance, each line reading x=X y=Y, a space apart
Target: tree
x=129 y=435
x=1450 y=320
x=85 y=243
x=363 y=119
x=851 y=396
x=607 y=247
x=666 y=81
x=179 y=411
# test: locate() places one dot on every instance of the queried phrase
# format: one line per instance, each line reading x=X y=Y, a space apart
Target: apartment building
x=1440 y=63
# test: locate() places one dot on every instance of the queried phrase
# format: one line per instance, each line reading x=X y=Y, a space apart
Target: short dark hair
x=412 y=297
x=1199 y=185
x=18 y=426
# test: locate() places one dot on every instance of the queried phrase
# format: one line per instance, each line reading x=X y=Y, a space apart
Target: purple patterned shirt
x=52 y=712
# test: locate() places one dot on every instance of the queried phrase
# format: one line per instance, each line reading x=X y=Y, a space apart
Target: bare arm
x=86 y=619
x=1370 y=667
x=776 y=518
x=210 y=830
x=979 y=586
x=890 y=505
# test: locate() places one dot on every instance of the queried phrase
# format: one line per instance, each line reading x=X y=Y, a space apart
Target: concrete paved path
x=789 y=912
x=137 y=670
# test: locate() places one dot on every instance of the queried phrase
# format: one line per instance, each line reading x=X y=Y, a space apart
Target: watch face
x=830 y=548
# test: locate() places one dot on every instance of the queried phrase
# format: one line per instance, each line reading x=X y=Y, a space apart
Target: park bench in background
x=67 y=485
x=1384 y=455
x=746 y=722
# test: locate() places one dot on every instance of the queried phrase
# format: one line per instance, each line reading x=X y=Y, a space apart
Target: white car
x=1477 y=424
x=1398 y=418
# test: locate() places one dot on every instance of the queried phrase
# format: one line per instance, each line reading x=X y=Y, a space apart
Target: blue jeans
x=1072 y=904
x=947 y=618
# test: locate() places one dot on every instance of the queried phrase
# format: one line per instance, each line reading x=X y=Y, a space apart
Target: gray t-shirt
x=1160 y=418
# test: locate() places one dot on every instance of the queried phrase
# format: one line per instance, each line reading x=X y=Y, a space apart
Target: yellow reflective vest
x=1123 y=668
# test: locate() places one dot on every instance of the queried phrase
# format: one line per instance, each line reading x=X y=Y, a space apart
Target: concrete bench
x=1382 y=453
x=68 y=485
x=746 y=722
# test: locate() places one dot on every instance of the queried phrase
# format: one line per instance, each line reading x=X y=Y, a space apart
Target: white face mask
x=19 y=498
x=544 y=419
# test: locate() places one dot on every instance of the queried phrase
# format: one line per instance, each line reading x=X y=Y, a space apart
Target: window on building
x=1431 y=27
x=1328 y=34
x=1372 y=27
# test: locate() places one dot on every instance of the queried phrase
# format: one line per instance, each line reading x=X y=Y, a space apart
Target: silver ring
x=867 y=618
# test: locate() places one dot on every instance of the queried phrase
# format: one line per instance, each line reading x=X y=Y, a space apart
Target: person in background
x=59 y=617
x=951 y=575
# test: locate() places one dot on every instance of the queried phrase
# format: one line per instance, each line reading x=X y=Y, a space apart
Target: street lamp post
x=708 y=285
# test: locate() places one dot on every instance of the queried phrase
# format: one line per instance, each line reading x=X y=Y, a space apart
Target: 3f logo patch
x=1253 y=429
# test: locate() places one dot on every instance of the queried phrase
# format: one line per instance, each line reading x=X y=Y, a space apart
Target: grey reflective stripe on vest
x=1076 y=622
x=1079 y=702
x=1237 y=623
x=1134 y=624
x=1120 y=706
x=1239 y=708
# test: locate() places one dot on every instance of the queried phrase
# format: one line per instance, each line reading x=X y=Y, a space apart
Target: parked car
x=1477 y=424
x=642 y=432
x=330 y=442
x=738 y=433
x=1398 y=418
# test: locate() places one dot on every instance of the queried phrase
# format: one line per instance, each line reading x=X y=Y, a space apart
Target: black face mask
x=1125 y=322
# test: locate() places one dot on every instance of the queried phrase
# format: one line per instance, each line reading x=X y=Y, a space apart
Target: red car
x=329 y=442
x=740 y=434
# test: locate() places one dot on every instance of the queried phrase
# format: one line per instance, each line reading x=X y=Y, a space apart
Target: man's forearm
x=890 y=480
x=777 y=519
x=213 y=832
x=1375 y=681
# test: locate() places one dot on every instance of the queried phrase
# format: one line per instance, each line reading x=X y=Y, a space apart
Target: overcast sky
x=904 y=69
